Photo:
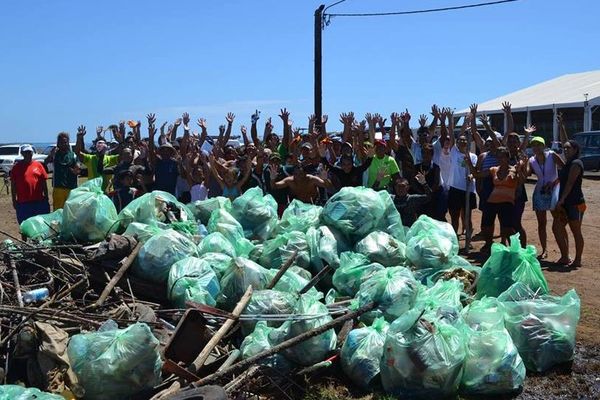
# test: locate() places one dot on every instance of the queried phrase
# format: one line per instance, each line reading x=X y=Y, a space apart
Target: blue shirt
x=165 y=175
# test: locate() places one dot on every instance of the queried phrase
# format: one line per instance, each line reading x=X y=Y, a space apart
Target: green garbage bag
x=391 y=223
x=216 y=243
x=325 y=245
x=192 y=279
x=202 y=209
x=116 y=363
x=543 y=327
x=492 y=365
x=431 y=246
x=354 y=211
x=278 y=250
x=256 y=213
x=302 y=272
x=355 y=268
x=484 y=314
x=443 y=293
x=43 y=227
x=223 y=222
x=219 y=262
x=267 y=303
x=154 y=207
x=393 y=289
x=423 y=357
x=309 y=313
x=88 y=214
x=16 y=392
x=507 y=265
x=382 y=248
x=362 y=351
x=456 y=267
x=160 y=252
x=240 y=274
x=427 y=224
x=144 y=232
x=260 y=340
x=299 y=216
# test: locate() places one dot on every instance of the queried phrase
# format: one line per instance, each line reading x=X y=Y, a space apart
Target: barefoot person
x=544 y=164
x=571 y=203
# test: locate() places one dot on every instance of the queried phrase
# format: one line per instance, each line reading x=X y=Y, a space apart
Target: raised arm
x=287 y=131
x=483 y=118
x=564 y=138
x=395 y=119
x=173 y=135
x=406 y=131
x=212 y=168
x=79 y=146
x=203 y=132
x=229 y=117
x=185 y=141
x=323 y=132
x=151 y=134
x=381 y=122
x=268 y=130
x=371 y=121
x=435 y=112
x=529 y=130
x=253 y=130
x=507 y=108
x=347 y=119
x=240 y=184
x=244 y=133
x=474 y=132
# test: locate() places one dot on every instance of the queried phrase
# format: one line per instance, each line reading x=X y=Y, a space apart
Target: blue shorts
x=31 y=209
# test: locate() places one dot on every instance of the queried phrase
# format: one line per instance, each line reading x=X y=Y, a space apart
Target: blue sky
x=66 y=63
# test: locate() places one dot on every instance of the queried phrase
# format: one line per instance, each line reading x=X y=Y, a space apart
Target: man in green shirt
x=383 y=169
x=95 y=163
x=65 y=170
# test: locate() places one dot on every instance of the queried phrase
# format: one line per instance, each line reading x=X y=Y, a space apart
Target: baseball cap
x=307 y=145
x=27 y=148
x=380 y=142
x=538 y=139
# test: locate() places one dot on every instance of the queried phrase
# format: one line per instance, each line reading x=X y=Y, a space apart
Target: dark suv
x=590 y=149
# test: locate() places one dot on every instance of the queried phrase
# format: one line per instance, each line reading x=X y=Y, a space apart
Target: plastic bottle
x=36 y=295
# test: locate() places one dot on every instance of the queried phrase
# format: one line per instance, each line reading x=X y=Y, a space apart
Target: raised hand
x=312 y=118
x=420 y=178
x=186 y=119
x=422 y=120
x=473 y=108
x=81 y=130
x=162 y=128
x=269 y=125
x=381 y=174
x=99 y=130
x=560 y=118
x=405 y=116
x=230 y=117
x=243 y=130
x=177 y=122
x=484 y=119
x=377 y=118
x=435 y=111
x=530 y=129
x=324 y=119
x=151 y=118
x=202 y=123
x=506 y=107
x=369 y=151
x=369 y=118
x=221 y=130
x=255 y=117
x=324 y=173
x=284 y=114
x=152 y=131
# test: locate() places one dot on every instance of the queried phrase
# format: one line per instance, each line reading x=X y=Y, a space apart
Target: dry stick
x=15 y=276
x=115 y=279
x=316 y=279
x=282 y=270
x=203 y=356
x=284 y=345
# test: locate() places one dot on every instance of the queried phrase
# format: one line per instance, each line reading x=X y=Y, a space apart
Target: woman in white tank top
x=544 y=164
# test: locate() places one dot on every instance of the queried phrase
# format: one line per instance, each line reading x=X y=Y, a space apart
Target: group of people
x=431 y=170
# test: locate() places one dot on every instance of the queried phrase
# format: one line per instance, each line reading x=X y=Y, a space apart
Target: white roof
x=564 y=91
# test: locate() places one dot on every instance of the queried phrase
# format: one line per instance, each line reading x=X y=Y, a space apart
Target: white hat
x=27 y=147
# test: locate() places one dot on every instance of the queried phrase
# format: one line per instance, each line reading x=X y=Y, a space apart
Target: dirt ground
x=582 y=381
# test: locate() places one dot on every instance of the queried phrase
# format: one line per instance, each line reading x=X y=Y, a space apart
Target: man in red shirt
x=29 y=189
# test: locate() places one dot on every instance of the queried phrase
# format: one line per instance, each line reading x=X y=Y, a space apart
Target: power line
x=489 y=3
x=334 y=4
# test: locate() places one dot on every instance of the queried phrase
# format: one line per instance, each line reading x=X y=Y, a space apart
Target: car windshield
x=9 y=151
x=581 y=140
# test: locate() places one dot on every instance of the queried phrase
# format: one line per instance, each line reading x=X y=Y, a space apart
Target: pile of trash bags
x=439 y=325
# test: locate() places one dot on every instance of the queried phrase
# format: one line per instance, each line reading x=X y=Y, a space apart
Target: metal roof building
x=577 y=96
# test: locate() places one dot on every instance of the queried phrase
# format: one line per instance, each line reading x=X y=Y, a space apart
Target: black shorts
x=504 y=211
x=456 y=200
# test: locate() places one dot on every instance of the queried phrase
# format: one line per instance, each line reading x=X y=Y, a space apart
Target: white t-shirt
x=458 y=178
x=444 y=161
x=198 y=192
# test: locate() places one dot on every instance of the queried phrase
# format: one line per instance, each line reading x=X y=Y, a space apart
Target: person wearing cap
x=28 y=186
x=125 y=193
x=66 y=170
x=545 y=165
x=383 y=168
x=346 y=174
x=95 y=163
x=164 y=162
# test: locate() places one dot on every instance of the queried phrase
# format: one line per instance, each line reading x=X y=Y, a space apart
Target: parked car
x=11 y=153
x=590 y=149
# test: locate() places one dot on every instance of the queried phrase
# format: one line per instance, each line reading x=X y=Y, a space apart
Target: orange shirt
x=504 y=189
x=29 y=179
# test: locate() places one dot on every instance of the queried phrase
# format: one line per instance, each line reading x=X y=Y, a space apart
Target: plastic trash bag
x=443 y=293
x=42 y=227
x=16 y=392
x=423 y=357
x=382 y=248
x=492 y=365
x=299 y=216
x=427 y=224
x=543 y=327
x=484 y=314
x=192 y=279
x=278 y=250
x=393 y=289
x=391 y=222
x=143 y=232
x=325 y=246
x=152 y=208
x=260 y=340
x=507 y=265
x=115 y=364
x=309 y=313
x=88 y=214
x=301 y=271
x=456 y=267
x=268 y=302
x=290 y=282
x=216 y=243
x=256 y=213
x=362 y=351
x=223 y=222
x=240 y=274
x=160 y=252
x=355 y=268
x=219 y=262
x=202 y=209
x=430 y=246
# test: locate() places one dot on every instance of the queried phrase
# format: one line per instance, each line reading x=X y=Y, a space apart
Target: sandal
x=562 y=261
x=543 y=255
x=574 y=265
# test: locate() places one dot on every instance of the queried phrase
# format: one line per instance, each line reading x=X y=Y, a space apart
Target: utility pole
x=318 y=67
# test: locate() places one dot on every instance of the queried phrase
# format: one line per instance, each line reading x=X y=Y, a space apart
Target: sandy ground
x=583 y=380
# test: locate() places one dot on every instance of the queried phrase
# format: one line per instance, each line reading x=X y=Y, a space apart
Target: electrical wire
x=489 y=3
x=334 y=4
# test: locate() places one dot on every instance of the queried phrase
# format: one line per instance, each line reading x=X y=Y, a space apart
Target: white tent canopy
x=562 y=92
